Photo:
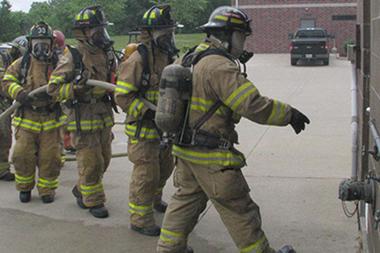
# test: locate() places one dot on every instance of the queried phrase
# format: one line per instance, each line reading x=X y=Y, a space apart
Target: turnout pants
x=229 y=193
x=152 y=167
x=40 y=150
x=93 y=157
x=5 y=144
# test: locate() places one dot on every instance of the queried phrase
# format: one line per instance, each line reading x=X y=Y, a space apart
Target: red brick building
x=273 y=20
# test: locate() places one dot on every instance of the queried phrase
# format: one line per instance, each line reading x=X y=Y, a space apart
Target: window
x=343 y=17
x=307 y=23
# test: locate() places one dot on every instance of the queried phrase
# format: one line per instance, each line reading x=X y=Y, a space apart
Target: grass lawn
x=184 y=41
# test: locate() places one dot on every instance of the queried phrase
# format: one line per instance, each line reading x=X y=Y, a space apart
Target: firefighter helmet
x=59 y=38
x=41 y=30
x=20 y=43
x=157 y=17
x=229 y=19
x=90 y=17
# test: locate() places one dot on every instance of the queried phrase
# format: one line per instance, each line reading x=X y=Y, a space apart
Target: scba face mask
x=100 y=37
x=238 y=39
x=165 y=41
x=41 y=49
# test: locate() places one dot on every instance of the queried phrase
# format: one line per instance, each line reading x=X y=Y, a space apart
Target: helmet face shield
x=165 y=41
x=41 y=49
x=100 y=38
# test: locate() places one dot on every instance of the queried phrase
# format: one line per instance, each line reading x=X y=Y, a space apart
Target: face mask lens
x=100 y=37
x=166 y=42
x=41 y=49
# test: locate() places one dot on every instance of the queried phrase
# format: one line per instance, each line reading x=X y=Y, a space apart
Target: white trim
x=279 y=6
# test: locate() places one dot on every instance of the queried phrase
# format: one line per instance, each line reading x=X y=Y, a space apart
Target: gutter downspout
x=354 y=123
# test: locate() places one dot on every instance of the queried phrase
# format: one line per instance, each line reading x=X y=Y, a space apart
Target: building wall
x=273 y=20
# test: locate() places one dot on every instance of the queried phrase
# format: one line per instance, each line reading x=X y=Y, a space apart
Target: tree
x=5 y=21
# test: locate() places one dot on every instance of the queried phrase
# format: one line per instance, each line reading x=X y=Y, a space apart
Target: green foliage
x=124 y=14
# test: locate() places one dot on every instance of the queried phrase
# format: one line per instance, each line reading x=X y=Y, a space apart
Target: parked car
x=310 y=44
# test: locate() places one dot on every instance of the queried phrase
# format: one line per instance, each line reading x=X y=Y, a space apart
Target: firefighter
x=8 y=54
x=37 y=122
x=89 y=110
x=138 y=82
x=209 y=167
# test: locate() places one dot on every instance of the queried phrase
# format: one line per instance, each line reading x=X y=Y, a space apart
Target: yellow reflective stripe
x=9 y=77
x=152 y=96
x=278 y=113
x=27 y=124
x=64 y=92
x=170 y=236
x=239 y=95
x=52 y=124
x=145 y=133
x=138 y=207
x=37 y=126
x=140 y=210
x=91 y=124
x=14 y=89
x=92 y=189
x=223 y=157
x=50 y=184
x=203 y=105
x=257 y=247
x=202 y=47
x=24 y=180
x=135 y=108
x=125 y=88
x=232 y=20
x=56 y=79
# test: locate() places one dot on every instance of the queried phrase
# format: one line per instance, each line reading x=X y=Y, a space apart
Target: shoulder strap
x=145 y=76
x=212 y=51
x=77 y=59
x=25 y=64
x=207 y=115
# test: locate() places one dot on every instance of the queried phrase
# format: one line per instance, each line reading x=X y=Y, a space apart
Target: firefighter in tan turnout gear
x=138 y=81
x=208 y=166
x=8 y=53
x=38 y=120
x=89 y=110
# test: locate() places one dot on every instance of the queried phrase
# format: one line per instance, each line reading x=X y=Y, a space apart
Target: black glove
x=80 y=86
x=298 y=120
x=23 y=98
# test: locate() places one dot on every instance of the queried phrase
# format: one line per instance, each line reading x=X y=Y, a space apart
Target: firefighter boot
x=286 y=249
x=99 y=211
x=78 y=196
x=47 y=199
x=160 y=206
x=26 y=196
x=150 y=231
x=8 y=176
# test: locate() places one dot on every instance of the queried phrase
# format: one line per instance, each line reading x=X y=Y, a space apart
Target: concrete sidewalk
x=294 y=179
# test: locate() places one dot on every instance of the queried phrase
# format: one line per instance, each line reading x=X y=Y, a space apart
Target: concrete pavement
x=294 y=179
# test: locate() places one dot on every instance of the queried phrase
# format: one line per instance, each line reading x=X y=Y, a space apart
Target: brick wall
x=272 y=25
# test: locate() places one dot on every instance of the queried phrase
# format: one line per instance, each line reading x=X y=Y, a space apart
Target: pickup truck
x=310 y=44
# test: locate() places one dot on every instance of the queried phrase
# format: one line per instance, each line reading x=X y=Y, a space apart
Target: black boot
x=286 y=249
x=189 y=250
x=47 y=199
x=8 y=176
x=78 y=196
x=151 y=231
x=160 y=206
x=25 y=196
x=99 y=211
